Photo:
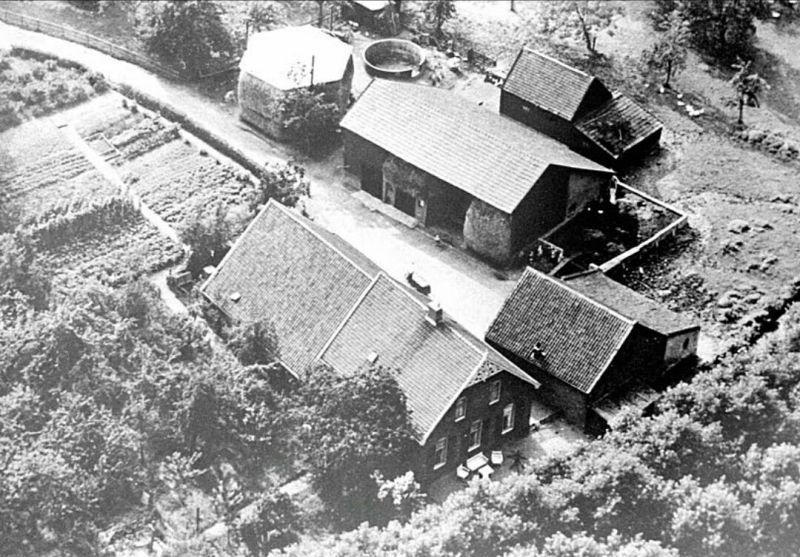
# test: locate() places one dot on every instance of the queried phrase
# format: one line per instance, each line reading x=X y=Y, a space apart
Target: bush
x=309 y=118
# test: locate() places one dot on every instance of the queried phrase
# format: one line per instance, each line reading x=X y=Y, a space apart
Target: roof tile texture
x=478 y=151
x=286 y=273
x=631 y=304
x=620 y=108
x=579 y=337
x=547 y=83
x=433 y=362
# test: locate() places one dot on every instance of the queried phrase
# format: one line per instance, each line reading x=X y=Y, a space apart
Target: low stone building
x=675 y=335
x=330 y=304
x=455 y=165
x=278 y=62
x=583 y=351
x=578 y=110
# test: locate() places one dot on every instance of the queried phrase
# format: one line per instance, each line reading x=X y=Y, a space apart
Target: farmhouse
x=457 y=166
x=581 y=350
x=278 y=62
x=330 y=304
x=578 y=110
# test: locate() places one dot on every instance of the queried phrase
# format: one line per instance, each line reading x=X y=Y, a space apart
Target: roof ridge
x=347 y=317
x=583 y=296
x=319 y=236
x=559 y=62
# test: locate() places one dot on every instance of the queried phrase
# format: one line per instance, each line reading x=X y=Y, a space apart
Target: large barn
x=454 y=165
x=330 y=304
x=278 y=62
x=578 y=110
x=585 y=344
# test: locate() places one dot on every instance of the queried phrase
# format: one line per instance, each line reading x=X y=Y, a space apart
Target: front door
x=405 y=202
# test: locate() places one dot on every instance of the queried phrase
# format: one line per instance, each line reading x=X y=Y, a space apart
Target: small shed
x=578 y=110
x=281 y=61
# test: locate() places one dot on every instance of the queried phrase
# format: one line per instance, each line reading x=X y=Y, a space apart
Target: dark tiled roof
x=630 y=303
x=288 y=272
x=579 y=337
x=637 y=123
x=547 y=83
x=434 y=363
x=478 y=151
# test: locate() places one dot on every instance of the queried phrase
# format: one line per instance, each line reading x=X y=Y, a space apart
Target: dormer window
x=494 y=391
x=461 y=408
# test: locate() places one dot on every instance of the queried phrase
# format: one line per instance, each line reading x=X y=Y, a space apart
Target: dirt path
x=466 y=288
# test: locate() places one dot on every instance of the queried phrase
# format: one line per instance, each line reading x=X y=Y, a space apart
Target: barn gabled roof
x=434 y=363
x=292 y=57
x=559 y=330
x=304 y=280
x=636 y=123
x=649 y=313
x=478 y=151
x=548 y=83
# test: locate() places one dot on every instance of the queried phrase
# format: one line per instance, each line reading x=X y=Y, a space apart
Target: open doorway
x=405 y=202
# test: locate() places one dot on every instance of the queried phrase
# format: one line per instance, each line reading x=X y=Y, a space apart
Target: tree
x=187 y=33
x=668 y=54
x=272 y=523
x=285 y=183
x=579 y=21
x=747 y=86
x=347 y=427
x=19 y=271
x=254 y=343
x=721 y=28
x=437 y=12
x=309 y=118
x=207 y=235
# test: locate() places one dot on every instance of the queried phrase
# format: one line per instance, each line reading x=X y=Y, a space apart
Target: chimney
x=434 y=315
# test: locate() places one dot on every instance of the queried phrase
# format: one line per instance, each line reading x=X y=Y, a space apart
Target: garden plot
x=110 y=242
x=118 y=130
x=40 y=170
x=175 y=179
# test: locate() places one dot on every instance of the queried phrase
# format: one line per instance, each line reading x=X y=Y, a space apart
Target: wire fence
x=107 y=47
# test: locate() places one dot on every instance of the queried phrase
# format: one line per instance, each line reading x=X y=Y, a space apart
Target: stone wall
x=487 y=232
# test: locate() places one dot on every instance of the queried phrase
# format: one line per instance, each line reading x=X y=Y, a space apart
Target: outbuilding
x=588 y=350
x=578 y=110
x=454 y=165
x=281 y=61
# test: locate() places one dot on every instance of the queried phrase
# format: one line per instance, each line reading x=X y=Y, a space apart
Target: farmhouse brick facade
x=455 y=165
x=578 y=110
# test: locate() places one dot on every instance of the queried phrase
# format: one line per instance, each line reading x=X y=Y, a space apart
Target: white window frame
x=494 y=397
x=508 y=411
x=475 y=426
x=461 y=404
x=440 y=449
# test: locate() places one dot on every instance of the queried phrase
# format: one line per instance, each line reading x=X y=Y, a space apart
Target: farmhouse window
x=508 y=418
x=461 y=408
x=440 y=453
x=475 y=434
x=494 y=392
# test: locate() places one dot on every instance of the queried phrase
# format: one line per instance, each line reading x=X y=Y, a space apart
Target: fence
x=651 y=243
x=80 y=37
